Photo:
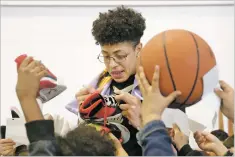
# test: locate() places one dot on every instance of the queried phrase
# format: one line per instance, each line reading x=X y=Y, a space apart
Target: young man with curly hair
x=118 y=32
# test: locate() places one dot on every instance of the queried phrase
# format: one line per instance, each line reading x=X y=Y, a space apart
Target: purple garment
x=72 y=106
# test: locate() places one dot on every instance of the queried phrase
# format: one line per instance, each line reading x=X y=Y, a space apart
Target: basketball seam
x=197 y=72
x=167 y=61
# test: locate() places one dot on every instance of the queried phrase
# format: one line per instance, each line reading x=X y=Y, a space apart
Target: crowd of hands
x=139 y=114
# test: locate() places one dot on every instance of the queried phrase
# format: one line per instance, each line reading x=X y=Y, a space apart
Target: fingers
x=100 y=89
x=82 y=98
x=25 y=62
x=86 y=90
x=8 y=140
x=91 y=89
x=176 y=128
x=226 y=87
x=124 y=96
x=140 y=85
x=42 y=74
x=38 y=69
x=6 y=148
x=219 y=93
x=113 y=137
x=8 y=152
x=32 y=65
x=125 y=107
x=171 y=133
x=117 y=91
x=199 y=138
x=209 y=136
x=8 y=144
x=143 y=79
x=173 y=96
x=155 y=80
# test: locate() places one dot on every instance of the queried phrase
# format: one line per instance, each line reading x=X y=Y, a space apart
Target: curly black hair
x=119 y=25
x=86 y=141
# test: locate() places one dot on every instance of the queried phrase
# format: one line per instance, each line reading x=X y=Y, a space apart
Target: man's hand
x=131 y=108
x=29 y=75
x=118 y=145
x=208 y=142
x=227 y=97
x=179 y=138
x=154 y=102
x=85 y=93
x=7 y=147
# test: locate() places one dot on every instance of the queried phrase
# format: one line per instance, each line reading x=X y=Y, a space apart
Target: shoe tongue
x=95 y=98
x=110 y=100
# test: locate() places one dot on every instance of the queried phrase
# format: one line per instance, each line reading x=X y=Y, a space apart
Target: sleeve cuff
x=185 y=150
x=149 y=128
x=40 y=130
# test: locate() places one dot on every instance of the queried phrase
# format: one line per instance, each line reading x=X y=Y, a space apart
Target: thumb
x=90 y=89
x=172 y=97
x=209 y=136
x=117 y=91
x=100 y=89
x=219 y=93
x=176 y=128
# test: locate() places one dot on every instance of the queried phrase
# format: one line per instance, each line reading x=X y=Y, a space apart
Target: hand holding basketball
x=154 y=102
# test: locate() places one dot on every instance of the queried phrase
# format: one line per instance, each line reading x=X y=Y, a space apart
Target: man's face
x=122 y=63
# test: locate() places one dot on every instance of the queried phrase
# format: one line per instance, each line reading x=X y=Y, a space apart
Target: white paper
x=167 y=118
x=15 y=130
x=204 y=111
x=171 y=116
x=210 y=81
x=195 y=126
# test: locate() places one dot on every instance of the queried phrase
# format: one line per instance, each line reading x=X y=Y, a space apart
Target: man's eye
x=120 y=56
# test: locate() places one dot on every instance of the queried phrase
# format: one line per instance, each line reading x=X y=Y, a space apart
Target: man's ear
x=138 y=49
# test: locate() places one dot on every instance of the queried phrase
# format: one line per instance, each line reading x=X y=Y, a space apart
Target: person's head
x=220 y=134
x=118 y=32
x=86 y=141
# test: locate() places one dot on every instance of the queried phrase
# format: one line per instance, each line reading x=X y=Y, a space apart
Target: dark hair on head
x=220 y=134
x=118 y=25
x=86 y=141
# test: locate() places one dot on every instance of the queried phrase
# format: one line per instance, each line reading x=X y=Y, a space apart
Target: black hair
x=86 y=141
x=118 y=25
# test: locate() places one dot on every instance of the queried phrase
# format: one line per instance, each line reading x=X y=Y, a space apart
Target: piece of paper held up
x=171 y=116
x=210 y=82
x=205 y=111
x=15 y=130
x=195 y=126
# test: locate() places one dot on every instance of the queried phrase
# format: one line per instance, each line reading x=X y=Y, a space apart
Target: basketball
x=184 y=58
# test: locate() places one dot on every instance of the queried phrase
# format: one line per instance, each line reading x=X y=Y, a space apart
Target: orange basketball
x=184 y=58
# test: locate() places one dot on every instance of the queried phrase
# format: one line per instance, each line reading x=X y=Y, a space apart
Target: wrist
x=26 y=98
x=221 y=150
x=148 y=118
x=180 y=146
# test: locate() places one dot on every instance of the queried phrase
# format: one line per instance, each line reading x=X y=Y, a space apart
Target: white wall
x=61 y=38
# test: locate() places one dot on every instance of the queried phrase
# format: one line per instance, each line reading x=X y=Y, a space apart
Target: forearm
x=31 y=109
x=220 y=150
x=42 y=139
x=155 y=140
